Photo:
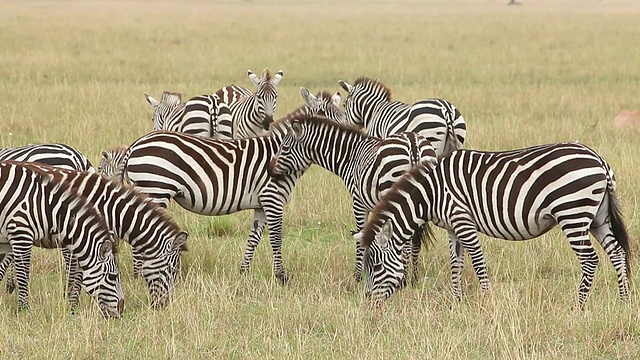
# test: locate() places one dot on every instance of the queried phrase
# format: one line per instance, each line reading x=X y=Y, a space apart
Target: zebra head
x=169 y=106
x=292 y=155
x=102 y=279
x=385 y=260
x=161 y=272
x=324 y=104
x=266 y=94
x=361 y=99
x=111 y=162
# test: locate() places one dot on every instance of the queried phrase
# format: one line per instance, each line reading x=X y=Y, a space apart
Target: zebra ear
x=180 y=241
x=345 y=86
x=297 y=129
x=336 y=98
x=104 y=154
x=151 y=100
x=276 y=78
x=253 y=77
x=309 y=98
x=384 y=236
x=105 y=249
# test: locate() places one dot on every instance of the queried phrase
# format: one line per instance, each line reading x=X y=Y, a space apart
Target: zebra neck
x=338 y=151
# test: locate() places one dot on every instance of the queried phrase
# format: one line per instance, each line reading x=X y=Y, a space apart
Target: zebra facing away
x=58 y=155
x=252 y=113
x=215 y=177
x=368 y=104
x=369 y=166
x=511 y=195
x=323 y=104
x=38 y=210
x=202 y=115
x=155 y=239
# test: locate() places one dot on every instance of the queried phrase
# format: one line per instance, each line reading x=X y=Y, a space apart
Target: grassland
x=75 y=72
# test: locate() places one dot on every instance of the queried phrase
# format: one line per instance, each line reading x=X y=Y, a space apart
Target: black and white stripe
x=369 y=166
x=57 y=155
x=252 y=113
x=368 y=104
x=202 y=115
x=156 y=240
x=215 y=177
x=511 y=195
x=38 y=210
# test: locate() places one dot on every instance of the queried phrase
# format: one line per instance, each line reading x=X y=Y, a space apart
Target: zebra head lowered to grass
x=252 y=113
x=215 y=177
x=368 y=104
x=156 y=240
x=202 y=115
x=369 y=166
x=38 y=210
x=511 y=195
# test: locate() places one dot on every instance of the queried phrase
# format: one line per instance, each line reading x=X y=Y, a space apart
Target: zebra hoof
x=283 y=277
x=244 y=270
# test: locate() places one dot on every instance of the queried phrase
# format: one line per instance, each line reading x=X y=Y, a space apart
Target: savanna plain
x=541 y=72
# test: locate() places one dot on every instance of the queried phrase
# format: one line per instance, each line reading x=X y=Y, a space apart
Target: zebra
x=39 y=210
x=215 y=177
x=322 y=104
x=202 y=115
x=369 y=166
x=512 y=195
x=156 y=240
x=58 y=155
x=368 y=103
x=252 y=113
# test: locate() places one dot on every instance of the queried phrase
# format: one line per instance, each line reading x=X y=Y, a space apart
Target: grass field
x=75 y=72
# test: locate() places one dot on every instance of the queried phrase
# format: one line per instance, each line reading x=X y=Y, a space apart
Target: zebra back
x=57 y=155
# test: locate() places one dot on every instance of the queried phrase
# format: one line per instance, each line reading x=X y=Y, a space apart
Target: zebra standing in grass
x=215 y=177
x=58 y=155
x=368 y=103
x=156 y=240
x=511 y=195
x=369 y=166
x=38 y=210
x=252 y=113
x=202 y=115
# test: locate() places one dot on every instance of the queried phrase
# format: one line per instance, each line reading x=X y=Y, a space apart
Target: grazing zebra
x=156 y=240
x=252 y=113
x=58 y=155
x=368 y=103
x=215 y=177
x=38 y=210
x=369 y=166
x=511 y=195
x=202 y=115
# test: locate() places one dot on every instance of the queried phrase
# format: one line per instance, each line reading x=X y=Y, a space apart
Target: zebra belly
x=217 y=206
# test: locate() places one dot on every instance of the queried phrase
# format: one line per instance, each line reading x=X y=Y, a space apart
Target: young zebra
x=368 y=103
x=252 y=113
x=58 y=155
x=511 y=195
x=323 y=104
x=215 y=177
x=156 y=240
x=38 y=210
x=202 y=115
x=369 y=166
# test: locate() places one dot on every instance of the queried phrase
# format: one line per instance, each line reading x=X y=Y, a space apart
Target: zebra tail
x=451 y=142
x=619 y=229
x=424 y=235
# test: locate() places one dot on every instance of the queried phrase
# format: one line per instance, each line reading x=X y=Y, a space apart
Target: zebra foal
x=368 y=104
x=156 y=240
x=38 y=210
x=512 y=195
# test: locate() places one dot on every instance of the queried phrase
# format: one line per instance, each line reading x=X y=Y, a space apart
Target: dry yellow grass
x=75 y=72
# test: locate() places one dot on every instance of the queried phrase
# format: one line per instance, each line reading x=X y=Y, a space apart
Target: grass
x=75 y=72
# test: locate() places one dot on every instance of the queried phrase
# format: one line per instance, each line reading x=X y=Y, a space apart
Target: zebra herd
x=223 y=152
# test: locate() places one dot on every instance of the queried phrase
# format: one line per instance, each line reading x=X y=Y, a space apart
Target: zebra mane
x=322 y=121
x=171 y=98
x=376 y=85
x=381 y=212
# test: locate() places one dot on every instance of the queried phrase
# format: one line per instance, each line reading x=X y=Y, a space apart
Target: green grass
x=75 y=72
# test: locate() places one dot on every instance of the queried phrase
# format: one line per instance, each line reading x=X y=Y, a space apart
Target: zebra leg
x=588 y=258
x=466 y=232
x=274 y=216
x=257 y=229
x=74 y=282
x=137 y=266
x=616 y=254
x=416 y=243
x=360 y=215
x=22 y=255
x=7 y=269
x=456 y=253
